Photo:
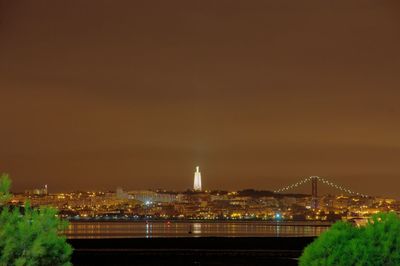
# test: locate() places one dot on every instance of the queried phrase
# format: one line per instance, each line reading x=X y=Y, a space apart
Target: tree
x=377 y=243
x=5 y=184
x=30 y=236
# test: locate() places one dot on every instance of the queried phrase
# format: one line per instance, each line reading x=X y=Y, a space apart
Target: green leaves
x=31 y=236
x=5 y=184
x=377 y=243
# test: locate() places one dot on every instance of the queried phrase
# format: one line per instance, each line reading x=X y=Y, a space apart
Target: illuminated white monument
x=197 y=180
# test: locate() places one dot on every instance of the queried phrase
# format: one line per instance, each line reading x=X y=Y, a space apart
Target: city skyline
x=298 y=187
x=248 y=204
x=96 y=95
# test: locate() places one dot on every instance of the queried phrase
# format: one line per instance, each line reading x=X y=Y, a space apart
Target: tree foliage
x=377 y=243
x=30 y=236
x=5 y=184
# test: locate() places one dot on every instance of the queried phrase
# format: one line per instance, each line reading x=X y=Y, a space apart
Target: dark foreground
x=189 y=251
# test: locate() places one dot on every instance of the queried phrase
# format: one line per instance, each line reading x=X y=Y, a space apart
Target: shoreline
x=269 y=222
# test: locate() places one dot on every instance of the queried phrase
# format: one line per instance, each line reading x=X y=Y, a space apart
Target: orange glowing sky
x=100 y=94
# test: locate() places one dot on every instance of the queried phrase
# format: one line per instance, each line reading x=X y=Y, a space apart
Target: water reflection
x=149 y=230
x=195 y=229
x=278 y=230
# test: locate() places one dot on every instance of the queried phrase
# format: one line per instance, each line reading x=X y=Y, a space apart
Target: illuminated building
x=38 y=191
x=151 y=196
x=197 y=180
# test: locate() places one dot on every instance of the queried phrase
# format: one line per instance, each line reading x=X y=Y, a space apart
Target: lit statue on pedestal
x=197 y=180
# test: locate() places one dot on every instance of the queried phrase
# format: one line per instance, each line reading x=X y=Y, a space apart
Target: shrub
x=30 y=236
x=377 y=243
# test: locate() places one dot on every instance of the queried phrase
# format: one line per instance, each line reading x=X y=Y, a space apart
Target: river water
x=152 y=229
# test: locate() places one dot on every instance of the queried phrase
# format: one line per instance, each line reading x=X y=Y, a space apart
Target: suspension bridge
x=314 y=188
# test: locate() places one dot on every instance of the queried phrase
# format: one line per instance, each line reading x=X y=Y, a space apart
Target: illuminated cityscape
x=281 y=204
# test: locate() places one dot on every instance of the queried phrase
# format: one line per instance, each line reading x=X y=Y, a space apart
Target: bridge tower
x=314 y=192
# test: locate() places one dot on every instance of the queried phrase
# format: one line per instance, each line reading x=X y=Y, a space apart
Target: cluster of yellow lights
x=324 y=181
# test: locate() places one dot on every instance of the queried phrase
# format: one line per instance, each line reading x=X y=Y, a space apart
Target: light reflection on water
x=150 y=229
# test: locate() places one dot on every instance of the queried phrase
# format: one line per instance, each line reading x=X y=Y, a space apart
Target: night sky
x=101 y=94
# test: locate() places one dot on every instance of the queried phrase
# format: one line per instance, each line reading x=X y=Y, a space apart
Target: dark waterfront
x=190 y=242
x=155 y=229
x=238 y=251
